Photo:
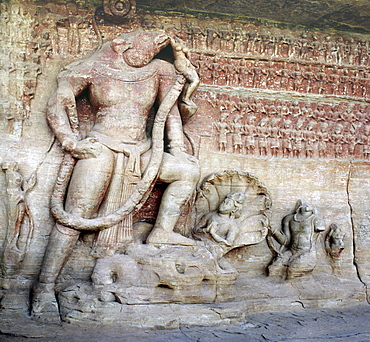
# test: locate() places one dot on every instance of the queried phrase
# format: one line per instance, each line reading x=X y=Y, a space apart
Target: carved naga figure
x=103 y=164
x=233 y=210
x=297 y=254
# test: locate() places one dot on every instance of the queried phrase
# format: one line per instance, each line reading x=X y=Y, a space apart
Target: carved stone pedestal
x=80 y=304
x=149 y=274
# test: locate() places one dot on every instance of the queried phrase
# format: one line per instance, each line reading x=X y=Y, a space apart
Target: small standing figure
x=286 y=134
x=323 y=138
x=337 y=140
x=350 y=141
x=223 y=128
x=274 y=134
x=18 y=235
x=345 y=80
x=285 y=75
x=321 y=78
x=309 y=78
x=297 y=254
x=366 y=142
x=298 y=139
x=334 y=79
x=237 y=130
x=251 y=132
x=310 y=138
x=263 y=135
x=184 y=66
x=298 y=79
x=364 y=84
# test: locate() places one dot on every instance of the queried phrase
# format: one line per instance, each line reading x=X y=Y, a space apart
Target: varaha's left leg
x=182 y=176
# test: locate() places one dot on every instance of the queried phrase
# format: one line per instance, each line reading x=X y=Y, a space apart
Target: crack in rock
x=353 y=231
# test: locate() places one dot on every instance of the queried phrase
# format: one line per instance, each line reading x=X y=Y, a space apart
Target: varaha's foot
x=161 y=236
x=44 y=304
x=188 y=109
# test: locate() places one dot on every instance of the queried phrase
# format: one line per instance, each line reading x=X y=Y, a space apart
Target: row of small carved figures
x=300 y=131
x=19 y=70
x=299 y=150
x=46 y=37
x=305 y=144
x=15 y=24
x=329 y=81
x=15 y=14
x=254 y=107
x=311 y=48
x=282 y=112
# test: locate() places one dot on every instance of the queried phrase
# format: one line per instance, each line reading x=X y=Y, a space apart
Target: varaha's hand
x=87 y=148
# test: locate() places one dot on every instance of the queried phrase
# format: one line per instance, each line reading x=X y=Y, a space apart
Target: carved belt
x=131 y=149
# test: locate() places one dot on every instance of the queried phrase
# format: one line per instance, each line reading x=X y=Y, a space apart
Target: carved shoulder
x=319 y=224
x=164 y=68
x=77 y=76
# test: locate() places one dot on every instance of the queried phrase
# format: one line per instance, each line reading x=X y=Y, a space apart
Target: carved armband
x=69 y=144
x=177 y=145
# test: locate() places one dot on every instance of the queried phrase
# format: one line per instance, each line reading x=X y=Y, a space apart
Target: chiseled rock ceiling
x=348 y=15
x=344 y=15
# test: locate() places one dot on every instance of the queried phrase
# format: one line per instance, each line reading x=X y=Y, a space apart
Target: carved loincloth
x=126 y=175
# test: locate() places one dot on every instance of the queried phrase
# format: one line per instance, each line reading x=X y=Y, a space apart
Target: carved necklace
x=302 y=219
x=126 y=75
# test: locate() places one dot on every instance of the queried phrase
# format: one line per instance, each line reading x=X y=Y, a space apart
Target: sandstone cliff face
x=290 y=106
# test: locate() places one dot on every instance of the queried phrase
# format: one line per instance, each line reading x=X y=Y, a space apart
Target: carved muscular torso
x=123 y=100
x=301 y=234
x=122 y=97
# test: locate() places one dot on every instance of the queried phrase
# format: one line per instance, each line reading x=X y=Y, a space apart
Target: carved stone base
x=255 y=294
x=149 y=274
x=145 y=315
x=290 y=265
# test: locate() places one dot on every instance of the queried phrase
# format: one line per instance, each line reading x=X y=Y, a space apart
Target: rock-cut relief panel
x=109 y=169
x=110 y=166
x=283 y=77
x=276 y=127
x=232 y=210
